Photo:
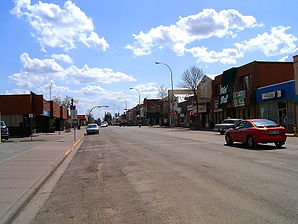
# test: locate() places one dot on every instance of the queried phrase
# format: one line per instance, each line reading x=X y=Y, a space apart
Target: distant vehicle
x=92 y=129
x=4 y=131
x=254 y=131
x=104 y=124
x=226 y=124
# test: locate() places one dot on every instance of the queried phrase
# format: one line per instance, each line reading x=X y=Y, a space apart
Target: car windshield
x=264 y=123
x=2 y=123
x=92 y=126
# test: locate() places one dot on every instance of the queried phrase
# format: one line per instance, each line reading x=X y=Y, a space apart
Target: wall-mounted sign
x=239 y=98
x=227 y=87
x=189 y=107
x=272 y=95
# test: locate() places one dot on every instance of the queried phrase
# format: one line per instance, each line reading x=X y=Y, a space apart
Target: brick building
x=30 y=112
x=237 y=92
x=152 y=111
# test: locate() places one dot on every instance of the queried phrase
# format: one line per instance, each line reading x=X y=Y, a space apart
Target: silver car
x=226 y=124
x=92 y=129
x=4 y=131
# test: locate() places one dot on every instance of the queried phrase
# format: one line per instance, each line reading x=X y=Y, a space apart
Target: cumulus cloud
x=278 y=42
x=36 y=72
x=37 y=66
x=62 y=57
x=149 y=89
x=92 y=90
x=206 y=24
x=275 y=43
x=59 y=27
x=226 y=56
x=86 y=75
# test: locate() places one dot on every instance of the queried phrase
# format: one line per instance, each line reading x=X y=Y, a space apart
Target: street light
x=51 y=91
x=125 y=102
x=138 y=92
x=94 y=108
x=172 y=103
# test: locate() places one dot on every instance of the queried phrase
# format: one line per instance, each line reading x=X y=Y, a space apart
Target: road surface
x=130 y=175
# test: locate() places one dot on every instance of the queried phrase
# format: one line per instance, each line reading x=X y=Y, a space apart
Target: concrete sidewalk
x=21 y=176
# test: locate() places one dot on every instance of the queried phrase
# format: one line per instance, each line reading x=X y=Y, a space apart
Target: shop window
x=244 y=83
x=13 y=120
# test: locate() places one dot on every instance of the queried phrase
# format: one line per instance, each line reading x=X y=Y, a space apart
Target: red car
x=254 y=131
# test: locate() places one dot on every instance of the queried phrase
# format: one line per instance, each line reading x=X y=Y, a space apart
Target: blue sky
x=96 y=50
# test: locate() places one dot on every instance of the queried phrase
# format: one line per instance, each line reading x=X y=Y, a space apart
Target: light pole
x=51 y=91
x=125 y=102
x=139 y=94
x=172 y=98
x=94 y=108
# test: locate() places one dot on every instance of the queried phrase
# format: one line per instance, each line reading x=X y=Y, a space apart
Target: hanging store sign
x=239 y=98
x=227 y=87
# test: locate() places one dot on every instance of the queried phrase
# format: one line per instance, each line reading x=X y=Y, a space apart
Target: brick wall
x=63 y=112
x=272 y=73
x=55 y=110
x=21 y=104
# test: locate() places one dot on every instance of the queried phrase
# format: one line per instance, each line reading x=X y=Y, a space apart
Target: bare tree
x=190 y=80
x=162 y=91
x=66 y=101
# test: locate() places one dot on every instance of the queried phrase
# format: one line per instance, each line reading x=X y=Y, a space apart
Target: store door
x=282 y=113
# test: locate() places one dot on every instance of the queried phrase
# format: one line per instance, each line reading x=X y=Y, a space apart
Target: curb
x=15 y=210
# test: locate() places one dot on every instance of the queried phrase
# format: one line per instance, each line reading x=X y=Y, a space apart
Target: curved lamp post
x=139 y=94
x=94 y=108
x=172 y=98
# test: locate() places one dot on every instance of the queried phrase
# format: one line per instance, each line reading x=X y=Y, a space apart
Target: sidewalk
x=21 y=176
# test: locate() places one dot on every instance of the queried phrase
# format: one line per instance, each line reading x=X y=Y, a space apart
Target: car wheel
x=222 y=132
x=279 y=144
x=6 y=138
x=250 y=142
x=229 y=141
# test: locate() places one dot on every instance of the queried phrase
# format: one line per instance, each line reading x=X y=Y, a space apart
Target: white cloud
x=59 y=27
x=276 y=43
x=148 y=90
x=37 y=66
x=87 y=75
x=284 y=59
x=17 y=91
x=226 y=56
x=62 y=57
x=37 y=72
x=205 y=24
x=92 y=90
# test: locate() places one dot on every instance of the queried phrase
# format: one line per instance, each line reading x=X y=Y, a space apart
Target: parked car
x=254 y=131
x=92 y=129
x=4 y=131
x=226 y=124
x=104 y=124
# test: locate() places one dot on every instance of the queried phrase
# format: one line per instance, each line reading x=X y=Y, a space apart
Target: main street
x=157 y=175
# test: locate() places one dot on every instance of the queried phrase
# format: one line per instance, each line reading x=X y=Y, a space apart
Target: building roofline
x=275 y=84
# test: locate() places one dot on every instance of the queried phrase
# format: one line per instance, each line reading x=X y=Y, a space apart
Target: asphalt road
x=154 y=175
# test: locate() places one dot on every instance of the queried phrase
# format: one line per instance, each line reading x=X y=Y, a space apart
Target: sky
x=95 y=50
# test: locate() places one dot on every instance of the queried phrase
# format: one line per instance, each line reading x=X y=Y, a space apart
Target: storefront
x=275 y=102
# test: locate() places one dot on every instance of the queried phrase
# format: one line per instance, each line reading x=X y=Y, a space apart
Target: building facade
x=28 y=113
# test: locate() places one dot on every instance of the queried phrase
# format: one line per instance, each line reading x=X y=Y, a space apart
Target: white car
x=104 y=124
x=92 y=129
x=226 y=124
